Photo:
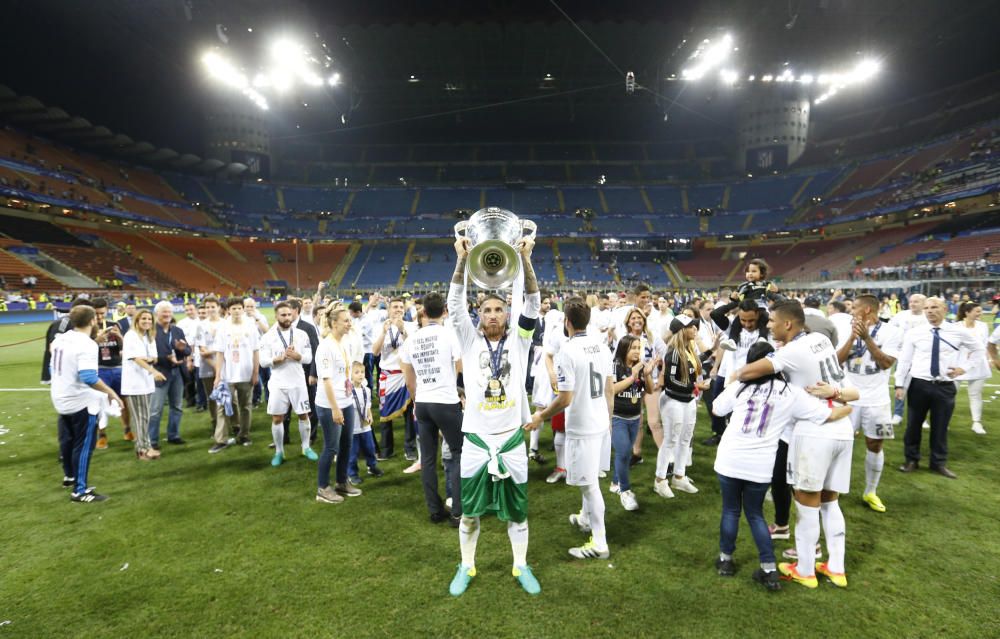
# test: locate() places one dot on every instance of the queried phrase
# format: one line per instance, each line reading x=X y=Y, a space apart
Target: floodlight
x=806 y=78
x=767 y=78
x=865 y=70
x=728 y=76
x=334 y=80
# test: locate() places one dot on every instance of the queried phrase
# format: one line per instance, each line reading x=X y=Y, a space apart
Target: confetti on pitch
x=124 y=567
x=217 y=570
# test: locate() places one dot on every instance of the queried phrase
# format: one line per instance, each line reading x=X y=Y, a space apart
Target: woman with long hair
x=632 y=377
x=335 y=408
x=653 y=350
x=682 y=384
x=762 y=410
x=977 y=366
x=139 y=380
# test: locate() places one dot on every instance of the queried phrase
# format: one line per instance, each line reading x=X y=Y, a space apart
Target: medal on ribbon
x=495 y=392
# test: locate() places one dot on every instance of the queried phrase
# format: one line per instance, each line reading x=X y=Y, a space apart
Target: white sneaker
x=614 y=488
x=728 y=344
x=683 y=484
x=415 y=467
x=662 y=488
x=602 y=475
x=577 y=520
x=978 y=429
x=556 y=475
x=896 y=420
x=628 y=500
x=926 y=426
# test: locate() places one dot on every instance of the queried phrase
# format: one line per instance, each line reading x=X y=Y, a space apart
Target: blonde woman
x=653 y=349
x=682 y=384
x=139 y=380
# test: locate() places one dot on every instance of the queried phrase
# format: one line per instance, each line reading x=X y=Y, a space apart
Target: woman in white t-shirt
x=139 y=379
x=335 y=408
x=976 y=365
x=761 y=410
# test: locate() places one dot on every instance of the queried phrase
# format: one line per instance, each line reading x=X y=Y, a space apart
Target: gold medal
x=494 y=384
x=635 y=400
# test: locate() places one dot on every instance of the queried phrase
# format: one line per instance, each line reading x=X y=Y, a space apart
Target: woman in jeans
x=335 y=408
x=632 y=377
x=139 y=379
x=762 y=410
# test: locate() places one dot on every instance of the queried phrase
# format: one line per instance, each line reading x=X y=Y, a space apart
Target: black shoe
x=383 y=456
x=943 y=470
x=909 y=467
x=769 y=579
x=218 y=448
x=68 y=482
x=87 y=496
x=536 y=457
x=725 y=567
x=411 y=457
x=155 y=446
x=437 y=518
x=635 y=460
x=454 y=522
x=712 y=441
x=355 y=481
x=376 y=472
x=176 y=442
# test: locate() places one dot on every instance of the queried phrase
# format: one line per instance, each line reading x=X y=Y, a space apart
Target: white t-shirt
x=72 y=352
x=135 y=379
x=237 y=344
x=760 y=416
x=392 y=344
x=862 y=371
x=506 y=408
x=583 y=366
x=733 y=361
x=332 y=363
x=600 y=321
x=844 y=323
x=432 y=352
x=205 y=337
x=287 y=373
x=190 y=327
x=976 y=365
x=807 y=359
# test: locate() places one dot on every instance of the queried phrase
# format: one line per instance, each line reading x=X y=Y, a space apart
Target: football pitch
x=199 y=545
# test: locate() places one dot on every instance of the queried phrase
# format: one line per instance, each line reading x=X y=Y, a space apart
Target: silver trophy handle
x=531 y=227
x=460 y=229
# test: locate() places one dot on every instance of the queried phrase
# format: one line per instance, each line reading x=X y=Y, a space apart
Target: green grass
x=224 y=545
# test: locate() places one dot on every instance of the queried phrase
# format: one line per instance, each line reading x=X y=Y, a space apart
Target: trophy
x=493 y=234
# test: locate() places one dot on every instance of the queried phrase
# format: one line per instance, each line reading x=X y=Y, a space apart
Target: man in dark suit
x=125 y=323
x=309 y=370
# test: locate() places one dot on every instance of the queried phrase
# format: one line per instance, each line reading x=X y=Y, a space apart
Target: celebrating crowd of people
x=786 y=386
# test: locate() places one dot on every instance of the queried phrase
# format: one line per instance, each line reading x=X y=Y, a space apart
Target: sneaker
x=683 y=484
x=725 y=567
x=662 y=488
x=791 y=573
x=767 y=578
x=536 y=457
x=328 y=496
x=177 y=442
x=246 y=442
x=271 y=446
x=375 y=471
x=602 y=474
x=410 y=456
x=153 y=453
x=460 y=582
x=728 y=344
x=874 y=502
x=383 y=456
x=437 y=518
x=779 y=532
x=614 y=488
x=527 y=579
x=415 y=467
x=87 y=496
x=218 y=448
x=897 y=420
x=277 y=459
x=635 y=460
x=231 y=441
x=590 y=551
x=347 y=490
x=355 y=480
x=68 y=482
x=557 y=474
x=102 y=441
x=577 y=520
x=455 y=521
x=628 y=500
x=310 y=454
x=712 y=441
x=128 y=436
x=791 y=553
x=978 y=429
x=838 y=579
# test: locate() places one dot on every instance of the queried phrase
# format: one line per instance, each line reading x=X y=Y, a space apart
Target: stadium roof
x=134 y=67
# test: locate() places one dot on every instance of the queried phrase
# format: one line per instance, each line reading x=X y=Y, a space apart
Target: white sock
x=304 y=433
x=806 y=536
x=278 y=435
x=560 y=442
x=594 y=504
x=873 y=470
x=468 y=537
x=533 y=440
x=835 y=531
x=518 y=533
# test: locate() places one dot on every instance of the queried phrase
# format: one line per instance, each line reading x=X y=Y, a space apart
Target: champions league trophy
x=493 y=234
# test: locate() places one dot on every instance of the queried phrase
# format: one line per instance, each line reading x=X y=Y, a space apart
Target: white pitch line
x=19 y=390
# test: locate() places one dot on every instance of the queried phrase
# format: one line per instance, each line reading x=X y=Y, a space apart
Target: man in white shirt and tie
x=930 y=358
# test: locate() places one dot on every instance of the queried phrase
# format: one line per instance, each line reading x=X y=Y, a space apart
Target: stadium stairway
x=341 y=270
x=60 y=270
x=12 y=268
x=560 y=273
x=406 y=263
x=802 y=189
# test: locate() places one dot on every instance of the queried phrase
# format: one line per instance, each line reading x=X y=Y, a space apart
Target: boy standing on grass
x=74 y=374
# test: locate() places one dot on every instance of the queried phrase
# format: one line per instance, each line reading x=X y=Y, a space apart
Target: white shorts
x=820 y=464
x=583 y=459
x=874 y=421
x=279 y=400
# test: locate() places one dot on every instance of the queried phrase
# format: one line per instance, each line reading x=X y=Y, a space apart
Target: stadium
x=177 y=151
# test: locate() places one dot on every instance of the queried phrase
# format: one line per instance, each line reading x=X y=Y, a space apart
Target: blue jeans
x=361 y=443
x=623 y=434
x=200 y=398
x=897 y=408
x=748 y=496
x=172 y=390
x=336 y=437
